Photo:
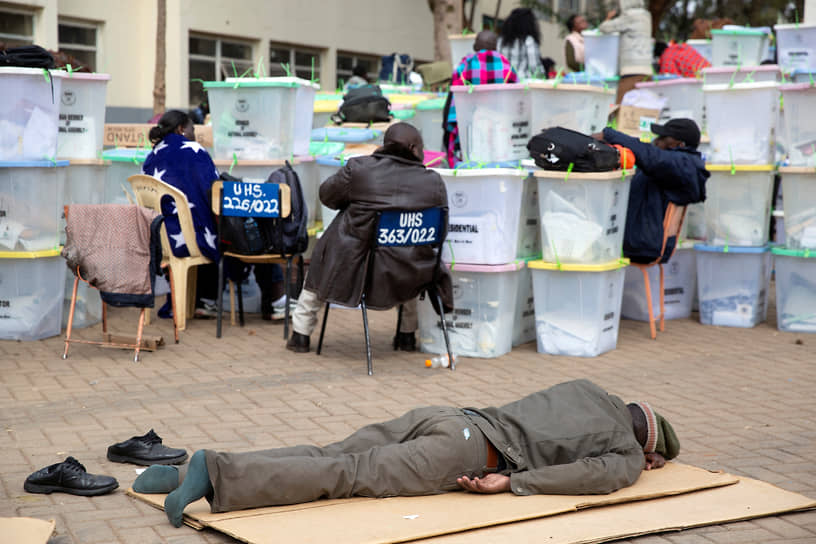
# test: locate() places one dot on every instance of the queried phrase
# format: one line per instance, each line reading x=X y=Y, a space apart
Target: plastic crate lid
x=403 y=114
x=431 y=104
x=319 y=149
x=125 y=154
x=330 y=160
x=86 y=75
x=797 y=87
x=750 y=69
x=586 y=77
x=461 y=36
x=470 y=165
x=486 y=87
x=488 y=268
x=56 y=252
x=482 y=172
x=539 y=264
x=612 y=175
x=744 y=31
x=555 y=85
x=794 y=26
x=32 y=164
x=326 y=106
x=731 y=249
x=727 y=87
x=234 y=82
x=786 y=252
x=670 y=81
x=740 y=168
x=344 y=134
x=22 y=71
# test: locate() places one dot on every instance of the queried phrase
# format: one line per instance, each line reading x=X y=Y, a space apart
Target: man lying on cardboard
x=573 y=438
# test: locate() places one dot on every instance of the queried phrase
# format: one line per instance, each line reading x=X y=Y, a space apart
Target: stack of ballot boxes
x=32 y=184
x=734 y=263
x=578 y=283
x=486 y=217
x=795 y=263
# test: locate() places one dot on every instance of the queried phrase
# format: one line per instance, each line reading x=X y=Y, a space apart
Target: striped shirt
x=475 y=69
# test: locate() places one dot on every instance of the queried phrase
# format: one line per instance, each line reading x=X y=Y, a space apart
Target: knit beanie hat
x=660 y=436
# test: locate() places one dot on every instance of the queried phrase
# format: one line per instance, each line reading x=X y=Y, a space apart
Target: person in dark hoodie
x=670 y=169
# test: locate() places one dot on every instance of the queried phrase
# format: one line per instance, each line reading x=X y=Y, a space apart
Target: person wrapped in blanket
x=484 y=65
x=178 y=160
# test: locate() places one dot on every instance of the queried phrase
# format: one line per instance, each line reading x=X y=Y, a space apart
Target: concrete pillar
x=45 y=26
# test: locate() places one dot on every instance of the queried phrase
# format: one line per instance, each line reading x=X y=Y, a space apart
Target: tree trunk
x=159 y=84
x=658 y=9
x=447 y=16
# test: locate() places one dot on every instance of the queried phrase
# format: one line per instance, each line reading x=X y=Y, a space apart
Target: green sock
x=195 y=485
x=157 y=479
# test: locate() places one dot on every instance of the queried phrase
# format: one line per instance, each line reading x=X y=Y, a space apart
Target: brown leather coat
x=364 y=186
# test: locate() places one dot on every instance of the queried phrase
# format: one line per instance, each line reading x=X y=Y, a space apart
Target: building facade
x=212 y=40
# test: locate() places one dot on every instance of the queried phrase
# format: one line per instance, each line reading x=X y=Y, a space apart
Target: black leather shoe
x=146 y=450
x=299 y=343
x=405 y=341
x=69 y=477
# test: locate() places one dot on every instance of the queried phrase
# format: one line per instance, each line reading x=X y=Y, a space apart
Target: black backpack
x=29 y=56
x=259 y=235
x=557 y=147
x=364 y=104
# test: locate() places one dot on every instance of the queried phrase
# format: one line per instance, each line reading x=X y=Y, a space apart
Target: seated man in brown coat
x=392 y=178
x=573 y=438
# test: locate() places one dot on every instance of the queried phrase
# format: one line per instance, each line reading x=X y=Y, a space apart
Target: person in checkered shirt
x=680 y=59
x=484 y=65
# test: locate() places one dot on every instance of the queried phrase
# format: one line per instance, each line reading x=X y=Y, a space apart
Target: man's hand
x=654 y=460
x=490 y=483
x=611 y=14
x=598 y=136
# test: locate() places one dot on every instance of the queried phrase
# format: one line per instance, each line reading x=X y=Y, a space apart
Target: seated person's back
x=393 y=178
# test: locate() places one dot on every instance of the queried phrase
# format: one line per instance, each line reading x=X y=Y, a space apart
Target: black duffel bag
x=364 y=104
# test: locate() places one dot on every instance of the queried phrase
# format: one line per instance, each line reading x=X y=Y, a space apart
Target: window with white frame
x=347 y=61
x=303 y=62
x=16 y=27
x=215 y=59
x=79 y=40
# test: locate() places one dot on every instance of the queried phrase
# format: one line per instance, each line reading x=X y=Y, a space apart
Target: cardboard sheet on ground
x=745 y=500
x=400 y=519
x=26 y=530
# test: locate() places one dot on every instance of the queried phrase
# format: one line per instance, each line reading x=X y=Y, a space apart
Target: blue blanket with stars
x=187 y=166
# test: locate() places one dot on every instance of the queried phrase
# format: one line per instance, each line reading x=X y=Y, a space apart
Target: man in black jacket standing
x=668 y=170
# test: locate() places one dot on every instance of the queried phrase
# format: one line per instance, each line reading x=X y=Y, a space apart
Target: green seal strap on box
x=233 y=163
x=558 y=77
x=734 y=76
x=470 y=86
x=285 y=66
x=453 y=257
x=733 y=166
x=555 y=253
x=234 y=69
x=569 y=169
x=70 y=70
x=750 y=77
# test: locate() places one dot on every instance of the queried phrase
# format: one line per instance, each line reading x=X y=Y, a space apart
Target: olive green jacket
x=571 y=439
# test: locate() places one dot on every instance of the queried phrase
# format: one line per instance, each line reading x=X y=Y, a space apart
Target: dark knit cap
x=660 y=436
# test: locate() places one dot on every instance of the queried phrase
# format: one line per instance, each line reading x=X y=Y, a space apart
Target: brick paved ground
x=741 y=400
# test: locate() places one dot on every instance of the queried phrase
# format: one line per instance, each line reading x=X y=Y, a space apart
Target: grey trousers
x=304 y=318
x=420 y=453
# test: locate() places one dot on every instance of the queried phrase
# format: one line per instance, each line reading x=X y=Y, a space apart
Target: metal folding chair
x=403 y=228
